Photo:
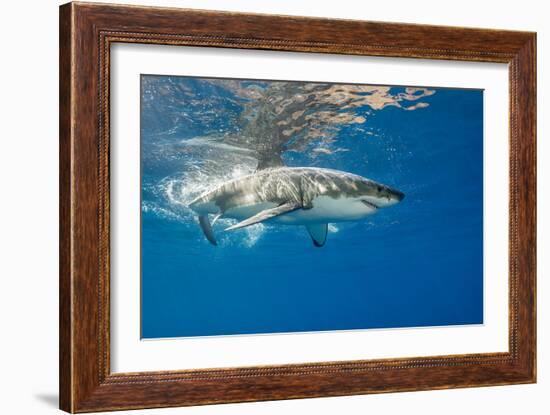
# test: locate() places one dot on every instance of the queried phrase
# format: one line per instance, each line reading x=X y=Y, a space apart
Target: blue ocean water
x=418 y=263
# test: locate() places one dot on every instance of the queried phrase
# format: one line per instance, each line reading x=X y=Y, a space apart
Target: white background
x=28 y=208
x=129 y=354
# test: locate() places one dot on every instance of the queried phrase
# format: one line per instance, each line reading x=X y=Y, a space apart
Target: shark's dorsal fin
x=267 y=214
x=318 y=233
x=207 y=229
x=269 y=161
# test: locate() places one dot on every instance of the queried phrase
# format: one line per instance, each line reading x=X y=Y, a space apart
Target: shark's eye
x=379 y=188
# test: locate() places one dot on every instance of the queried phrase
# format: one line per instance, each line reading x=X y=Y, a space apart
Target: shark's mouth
x=369 y=204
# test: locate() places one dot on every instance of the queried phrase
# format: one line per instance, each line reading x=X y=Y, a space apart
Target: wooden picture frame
x=86 y=33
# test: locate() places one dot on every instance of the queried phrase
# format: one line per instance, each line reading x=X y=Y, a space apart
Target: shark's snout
x=386 y=196
x=393 y=197
x=398 y=196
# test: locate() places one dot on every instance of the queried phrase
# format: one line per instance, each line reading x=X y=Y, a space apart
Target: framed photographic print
x=261 y=207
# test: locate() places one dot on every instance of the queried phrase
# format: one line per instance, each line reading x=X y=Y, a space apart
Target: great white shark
x=308 y=196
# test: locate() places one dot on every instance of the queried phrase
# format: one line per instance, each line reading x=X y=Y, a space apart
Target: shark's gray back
x=286 y=184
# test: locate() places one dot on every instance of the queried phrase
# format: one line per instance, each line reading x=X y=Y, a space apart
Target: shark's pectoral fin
x=266 y=214
x=318 y=233
x=207 y=229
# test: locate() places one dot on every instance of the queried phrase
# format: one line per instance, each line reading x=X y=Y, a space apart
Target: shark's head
x=368 y=193
x=353 y=197
x=376 y=195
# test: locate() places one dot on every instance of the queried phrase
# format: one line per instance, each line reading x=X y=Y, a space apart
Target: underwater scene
x=285 y=207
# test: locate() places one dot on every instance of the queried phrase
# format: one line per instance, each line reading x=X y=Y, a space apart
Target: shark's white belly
x=325 y=210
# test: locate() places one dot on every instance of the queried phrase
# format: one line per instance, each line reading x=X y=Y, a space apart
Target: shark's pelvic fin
x=266 y=214
x=219 y=215
x=207 y=229
x=318 y=233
